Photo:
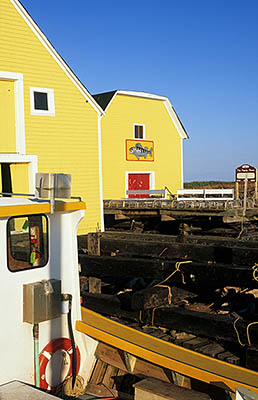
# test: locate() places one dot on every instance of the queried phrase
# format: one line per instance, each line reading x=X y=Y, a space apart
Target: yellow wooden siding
x=117 y=126
x=68 y=141
x=20 y=177
x=7 y=117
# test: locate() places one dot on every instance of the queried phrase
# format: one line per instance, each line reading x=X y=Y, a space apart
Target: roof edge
x=53 y=52
x=172 y=113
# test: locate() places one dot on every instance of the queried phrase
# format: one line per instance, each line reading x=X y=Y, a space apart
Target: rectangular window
x=27 y=242
x=42 y=101
x=139 y=131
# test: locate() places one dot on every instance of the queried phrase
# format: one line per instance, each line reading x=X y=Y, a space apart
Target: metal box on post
x=53 y=185
x=41 y=301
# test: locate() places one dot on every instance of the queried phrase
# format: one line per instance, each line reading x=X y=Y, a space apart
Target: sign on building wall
x=137 y=150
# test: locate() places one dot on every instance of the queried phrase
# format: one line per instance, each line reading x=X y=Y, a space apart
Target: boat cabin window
x=27 y=242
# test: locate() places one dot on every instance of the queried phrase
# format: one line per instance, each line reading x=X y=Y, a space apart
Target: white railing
x=205 y=194
x=148 y=193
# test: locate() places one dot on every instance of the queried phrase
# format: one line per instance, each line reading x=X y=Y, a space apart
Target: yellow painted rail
x=165 y=354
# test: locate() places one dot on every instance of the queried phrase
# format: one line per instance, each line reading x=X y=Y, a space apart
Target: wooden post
x=94 y=285
x=255 y=189
x=94 y=244
x=237 y=190
x=245 y=195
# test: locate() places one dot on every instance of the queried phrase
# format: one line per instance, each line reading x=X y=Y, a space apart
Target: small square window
x=42 y=101
x=138 y=131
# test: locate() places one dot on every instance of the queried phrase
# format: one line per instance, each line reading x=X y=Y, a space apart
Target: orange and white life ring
x=45 y=356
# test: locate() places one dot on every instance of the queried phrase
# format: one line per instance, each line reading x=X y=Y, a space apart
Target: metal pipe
x=36 y=354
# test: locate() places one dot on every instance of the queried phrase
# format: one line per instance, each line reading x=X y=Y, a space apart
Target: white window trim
x=17 y=78
x=152 y=179
x=50 y=99
x=32 y=160
x=134 y=125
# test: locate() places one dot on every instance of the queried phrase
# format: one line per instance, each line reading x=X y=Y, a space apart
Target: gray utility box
x=53 y=185
x=41 y=301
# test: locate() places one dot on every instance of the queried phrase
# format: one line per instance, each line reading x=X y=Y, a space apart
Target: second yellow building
x=142 y=140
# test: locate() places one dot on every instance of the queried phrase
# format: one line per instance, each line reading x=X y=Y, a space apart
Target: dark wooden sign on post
x=246 y=173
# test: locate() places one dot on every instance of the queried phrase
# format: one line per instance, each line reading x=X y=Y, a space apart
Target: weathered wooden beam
x=158 y=296
x=107 y=304
x=210 y=325
x=192 y=273
x=215 y=326
x=202 y=252
x=94 y=244
x=94 y=285
x=102 y=391
x=169 y=239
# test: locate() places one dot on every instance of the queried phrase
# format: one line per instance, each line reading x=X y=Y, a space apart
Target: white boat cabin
x=39 y=277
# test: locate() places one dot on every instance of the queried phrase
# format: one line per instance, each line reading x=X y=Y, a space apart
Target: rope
x=169 y=291
x=247 y=331
x=140 y=316
x=255 y=272
x=77 y=390
x=152 y=317
x=177 y=269
x=163 y=251
x=238 y=338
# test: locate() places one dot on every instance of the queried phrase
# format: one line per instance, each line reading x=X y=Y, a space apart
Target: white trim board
x=32 y=160
x=17 y=78
x=48 y=46
x=102 y=228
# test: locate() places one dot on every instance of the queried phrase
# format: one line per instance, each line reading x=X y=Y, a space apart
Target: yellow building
x=49 y=122
x=142 y=140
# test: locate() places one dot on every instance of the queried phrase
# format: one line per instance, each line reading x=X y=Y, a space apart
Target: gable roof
x=105 y=99
x=52 y=51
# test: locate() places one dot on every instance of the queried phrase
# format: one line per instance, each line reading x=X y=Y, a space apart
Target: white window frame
x=134 y=125
x=17 y=78
x=151 y=175
x=50 y=100
x=31 y=160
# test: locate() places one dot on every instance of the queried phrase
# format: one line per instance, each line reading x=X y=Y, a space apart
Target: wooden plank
x=114 y=357
x=94 y=285
x=102 y=391
x=209 y=274
x=195 y=343
x=111 y=355
x=107 y=304
x=153 y=389
x=224 y=356
x=98 y=372
x=205 y=324
x=193 y=251
x=151 y=297
x=211 y=349
x=94 y=244
x=252 y=357
x=202 y=324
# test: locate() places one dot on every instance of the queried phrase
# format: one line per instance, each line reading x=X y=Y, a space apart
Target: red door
x=138 y=182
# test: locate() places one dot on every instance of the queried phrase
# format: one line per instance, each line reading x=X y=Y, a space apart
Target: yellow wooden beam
x=165 y=354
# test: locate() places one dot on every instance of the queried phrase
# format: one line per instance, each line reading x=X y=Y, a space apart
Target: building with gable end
x=142 y=143
x=49 y=122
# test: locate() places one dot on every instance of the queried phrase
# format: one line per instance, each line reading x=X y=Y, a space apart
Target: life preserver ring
x=46 y=354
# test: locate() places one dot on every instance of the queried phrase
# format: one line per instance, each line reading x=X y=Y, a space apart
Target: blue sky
x=201 y=54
